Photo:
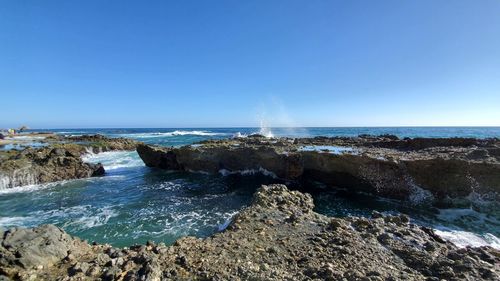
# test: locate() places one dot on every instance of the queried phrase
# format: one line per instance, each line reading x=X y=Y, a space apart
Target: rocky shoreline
x=437 y=170
x=278 y=237
x=59 y=159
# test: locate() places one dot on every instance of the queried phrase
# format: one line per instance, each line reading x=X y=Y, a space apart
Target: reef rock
x=99 y=143
x=49 y=164
x=59 y=160
x=38 y=247
x=278 y=237
x=385 y=165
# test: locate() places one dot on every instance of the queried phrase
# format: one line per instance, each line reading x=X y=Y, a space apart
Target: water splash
x=20 y=177
x=239 y=135
x=265 y=130
x=418 y=195
x=113 y=160
x=464 y=239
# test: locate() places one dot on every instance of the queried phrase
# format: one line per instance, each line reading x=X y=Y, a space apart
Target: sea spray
x=265 y=130
x=19 y=177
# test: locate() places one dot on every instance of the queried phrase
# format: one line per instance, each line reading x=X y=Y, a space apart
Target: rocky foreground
x=59 y=160
x=278 y=237
x=415 y=169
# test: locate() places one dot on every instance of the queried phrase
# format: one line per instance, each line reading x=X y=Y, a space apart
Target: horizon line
x=275 y=127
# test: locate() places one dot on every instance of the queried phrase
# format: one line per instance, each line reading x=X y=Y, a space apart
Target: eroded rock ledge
x=59 y=160
x=278 y=237
x=385 y=165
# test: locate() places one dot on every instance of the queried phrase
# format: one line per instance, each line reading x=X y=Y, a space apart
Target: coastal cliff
x=278 y=237
x=59 y=159
x=415 y=169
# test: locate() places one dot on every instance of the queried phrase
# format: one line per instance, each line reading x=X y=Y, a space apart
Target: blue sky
x=233 y=63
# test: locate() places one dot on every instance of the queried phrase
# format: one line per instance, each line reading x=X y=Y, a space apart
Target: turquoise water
x=133 y=203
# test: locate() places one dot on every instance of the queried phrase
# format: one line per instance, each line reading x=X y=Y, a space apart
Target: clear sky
x=231 y=63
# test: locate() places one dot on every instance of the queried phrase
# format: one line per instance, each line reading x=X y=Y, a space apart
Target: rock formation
x=384 y=165
x=60 y=160
x=99 y=143
x=278 y=237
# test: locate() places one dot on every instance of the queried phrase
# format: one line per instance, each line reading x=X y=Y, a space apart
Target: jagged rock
x=41 y=246
x=404 y=169
x=262 y=243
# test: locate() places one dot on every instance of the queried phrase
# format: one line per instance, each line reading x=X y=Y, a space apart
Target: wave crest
x=172 y=134
x=113 y=160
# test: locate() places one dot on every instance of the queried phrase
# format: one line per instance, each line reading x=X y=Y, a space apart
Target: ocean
x=133 y=203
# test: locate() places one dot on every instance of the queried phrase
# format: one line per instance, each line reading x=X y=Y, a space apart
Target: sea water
x=133 y=203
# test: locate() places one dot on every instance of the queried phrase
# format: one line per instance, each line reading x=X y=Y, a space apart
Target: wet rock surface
x=416 y=169
x=278 y=237
x=59 y=160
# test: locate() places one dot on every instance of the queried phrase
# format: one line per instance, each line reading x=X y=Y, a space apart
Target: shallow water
x=21 y=146
x=133 y=203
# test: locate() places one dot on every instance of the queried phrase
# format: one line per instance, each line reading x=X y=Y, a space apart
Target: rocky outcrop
x=278 y=237
x=403 y=169
x=38 y=247
x=99 y=143
x=49 y=164
x=59 y=160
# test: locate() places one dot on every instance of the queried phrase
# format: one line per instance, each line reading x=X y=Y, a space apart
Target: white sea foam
x=81 y=217
x=25 y=138
x=181 y=223
x=467 y=214
x=464 y=238
x=26 y=188
x=172 y=134
x=227 y=221
x=239 y=135
x=88 y=217
x=248 y=172
x=198 y=172
x=38 y=187
x=35 y=187
x=10 y=221
x=113 y=160
x=65 y=132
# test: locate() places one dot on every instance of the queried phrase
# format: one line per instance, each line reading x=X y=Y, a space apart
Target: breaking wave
x=239 y=135
x=78 y=217
x=113 y=160
x=467 y=227
x=50 y=185
x=464 y=239
x=172 y=134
